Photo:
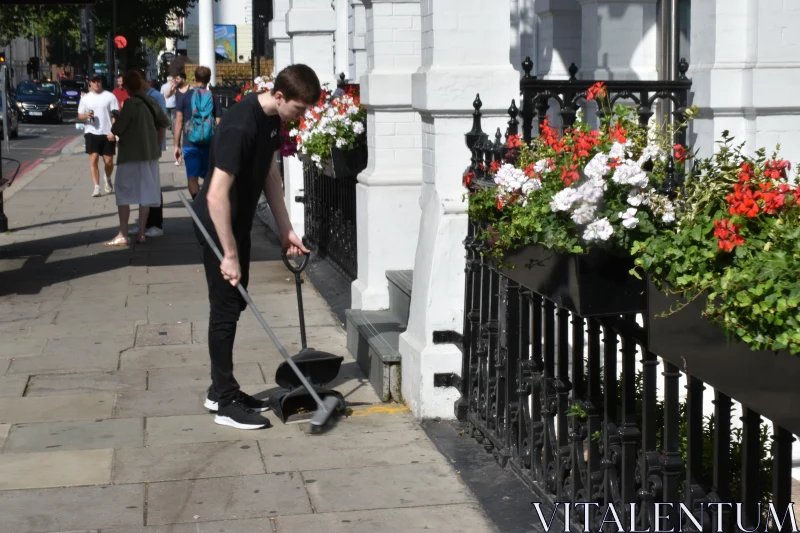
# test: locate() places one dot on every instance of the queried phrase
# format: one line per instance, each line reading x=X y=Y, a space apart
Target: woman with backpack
x=141 y=129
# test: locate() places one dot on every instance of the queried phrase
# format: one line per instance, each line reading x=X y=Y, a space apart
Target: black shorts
x=99 y=144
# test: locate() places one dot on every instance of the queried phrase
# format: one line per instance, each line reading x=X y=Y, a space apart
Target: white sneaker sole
x=214 y=407
x=226 y=421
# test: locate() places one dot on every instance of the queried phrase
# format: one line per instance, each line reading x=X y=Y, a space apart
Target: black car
x=40 y=100
x=73 y=92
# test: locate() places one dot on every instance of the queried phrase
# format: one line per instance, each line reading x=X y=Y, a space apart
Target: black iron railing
x=330 y=217
x=560 y=398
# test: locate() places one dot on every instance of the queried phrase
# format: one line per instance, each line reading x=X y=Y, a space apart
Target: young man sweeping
x=242 y=165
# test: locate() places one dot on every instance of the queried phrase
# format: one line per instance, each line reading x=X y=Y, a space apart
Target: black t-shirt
x=243 y=145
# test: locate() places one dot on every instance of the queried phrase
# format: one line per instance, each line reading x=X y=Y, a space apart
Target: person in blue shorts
x=195 y=157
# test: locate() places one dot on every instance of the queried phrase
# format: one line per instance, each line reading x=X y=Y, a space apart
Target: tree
x=136 y=20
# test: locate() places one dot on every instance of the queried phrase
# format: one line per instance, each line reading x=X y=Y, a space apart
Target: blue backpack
x=200 y=128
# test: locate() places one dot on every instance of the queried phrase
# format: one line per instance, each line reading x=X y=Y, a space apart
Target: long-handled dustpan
x=324 y=408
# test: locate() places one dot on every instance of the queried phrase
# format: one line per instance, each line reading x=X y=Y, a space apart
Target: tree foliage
x=136 y=19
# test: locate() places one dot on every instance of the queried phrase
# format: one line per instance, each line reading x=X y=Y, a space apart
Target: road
x=36 y=142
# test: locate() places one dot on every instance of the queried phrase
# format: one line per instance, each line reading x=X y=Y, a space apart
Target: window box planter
x=592 y=284
x=766 y=382
x=348 y=163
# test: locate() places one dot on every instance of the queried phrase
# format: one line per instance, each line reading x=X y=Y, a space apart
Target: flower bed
x=336 y=122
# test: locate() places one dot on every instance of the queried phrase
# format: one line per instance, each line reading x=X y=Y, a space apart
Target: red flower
x=746 y=174
x=743 y=201
x=499 y=204
x=596 y=90
x=569 y=175
x=583 y=143
x=529 y=171
x=514 y=141
x=494 y=167
x=727 y=234
x=550 y=137
x=618 y=133
x=681 y=154
x=467 y=179
x=777 y=169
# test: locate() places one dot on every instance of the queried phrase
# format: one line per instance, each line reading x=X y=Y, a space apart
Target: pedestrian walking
x=178 y=89
x=168 y=92
x=243 y=163
x=119 y=92
x=95 y=109
x=141 y=129
x=195 y=124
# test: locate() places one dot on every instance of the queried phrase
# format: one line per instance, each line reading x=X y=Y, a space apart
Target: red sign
x=120 y=41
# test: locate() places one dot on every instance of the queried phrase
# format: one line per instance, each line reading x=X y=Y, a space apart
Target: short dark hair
x=96 y=78
x=182 y=74
x=202 y=74
x=298 y=82
x=132 y=81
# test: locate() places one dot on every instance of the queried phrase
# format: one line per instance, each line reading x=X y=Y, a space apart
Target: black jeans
x=156 y=216
x=226 y=307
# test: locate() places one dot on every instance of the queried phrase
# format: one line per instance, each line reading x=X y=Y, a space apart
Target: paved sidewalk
x=103 y=367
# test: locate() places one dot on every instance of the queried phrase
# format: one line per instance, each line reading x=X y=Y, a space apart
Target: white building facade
x=420 y=64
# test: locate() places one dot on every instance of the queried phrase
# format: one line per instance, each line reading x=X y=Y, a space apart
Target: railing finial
x=513 y=124
x=573 y=72
x=476 y=132
x=683 y=68
x=527 y=66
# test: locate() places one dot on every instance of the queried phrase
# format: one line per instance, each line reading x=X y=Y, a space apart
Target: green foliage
x=753 y=291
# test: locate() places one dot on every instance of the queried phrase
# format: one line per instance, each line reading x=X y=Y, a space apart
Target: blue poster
x=225 y=41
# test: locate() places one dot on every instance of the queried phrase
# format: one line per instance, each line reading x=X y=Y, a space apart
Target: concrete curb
x=22 y=182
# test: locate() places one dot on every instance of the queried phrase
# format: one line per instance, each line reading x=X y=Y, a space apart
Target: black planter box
x=346 y=164
x=592 y=284
x=766 y=382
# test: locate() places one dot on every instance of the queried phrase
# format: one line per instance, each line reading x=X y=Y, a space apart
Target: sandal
x=117 y=241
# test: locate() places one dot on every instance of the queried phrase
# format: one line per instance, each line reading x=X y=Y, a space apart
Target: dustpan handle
x=295 y=269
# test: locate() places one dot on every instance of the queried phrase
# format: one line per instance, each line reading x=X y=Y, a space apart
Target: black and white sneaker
x=237 y=415
x=259 y=406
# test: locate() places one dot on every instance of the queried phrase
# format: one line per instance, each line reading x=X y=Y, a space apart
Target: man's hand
x=111 y=137
x=231 y=271
x=293 y=245
x=178 y=153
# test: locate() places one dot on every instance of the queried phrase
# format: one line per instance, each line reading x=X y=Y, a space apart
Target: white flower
x=636 y=197
x=530 y=186
x=331 y=112
x=541 y=166
x=651 y=152
x=591 y=192
x=293 y=132
x=584 y=214
x=597 y=167
x=358 y=128
x=630 y=173
x=618 y=150
x=509 y=178
x=564 y=199
x=629 y=219
x=258 y=81
x=316 y=158
x=599 y=230
x=270 y=85
x=352 y=110
x=340 y=142
x=669 y=213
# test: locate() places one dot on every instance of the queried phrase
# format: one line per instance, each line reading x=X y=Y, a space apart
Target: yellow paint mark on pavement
x=380 y=409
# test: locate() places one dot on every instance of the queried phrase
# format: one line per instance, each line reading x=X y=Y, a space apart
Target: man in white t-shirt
x=95 y=110
x=169 y=96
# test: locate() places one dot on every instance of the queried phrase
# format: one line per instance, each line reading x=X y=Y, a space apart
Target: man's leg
x=108 y=160
x=193 y=158
x=156 y=220
x=94 y=159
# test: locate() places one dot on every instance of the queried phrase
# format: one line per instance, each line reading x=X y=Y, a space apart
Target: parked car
x=40 y=100
x=8 y=115
x=73 y=92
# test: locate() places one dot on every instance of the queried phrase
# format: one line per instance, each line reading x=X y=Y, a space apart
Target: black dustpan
x=318 y=368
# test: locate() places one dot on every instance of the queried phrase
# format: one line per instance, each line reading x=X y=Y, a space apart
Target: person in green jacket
x=141 y=129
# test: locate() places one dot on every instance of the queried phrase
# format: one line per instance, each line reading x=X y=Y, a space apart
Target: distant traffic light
x=2 y=57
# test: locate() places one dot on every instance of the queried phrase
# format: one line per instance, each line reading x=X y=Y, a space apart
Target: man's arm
x=273 y=190
x=219 y=207
x=178 y=133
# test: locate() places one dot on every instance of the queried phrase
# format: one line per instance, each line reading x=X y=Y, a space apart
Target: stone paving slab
x=12 y=385
x=81 y=435
x=67 y=362
x=4 y=429
x=151 y=357
x=139 y=404
x=163 y=334
x=384 y=487
x=198 y=377
x=87 y=344
x=201 y=428
x=22 y=347
x=227 y=498
x=71 y=509
x=55 y=469
x=256 y=525
x=390 y=448
x=378 y=419
x=458 y=518
x=88 y=406
x=123 y=380
x=187 y=461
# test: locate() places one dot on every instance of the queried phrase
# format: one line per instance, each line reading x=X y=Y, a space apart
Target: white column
x=277 y=34
x=207 y=58
x=311 y=25
x=357 y=29
x=744 y=71
x=342 y=9
x=387 y=196
x=619 y=40
x=559 y=37
x=461 y=55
